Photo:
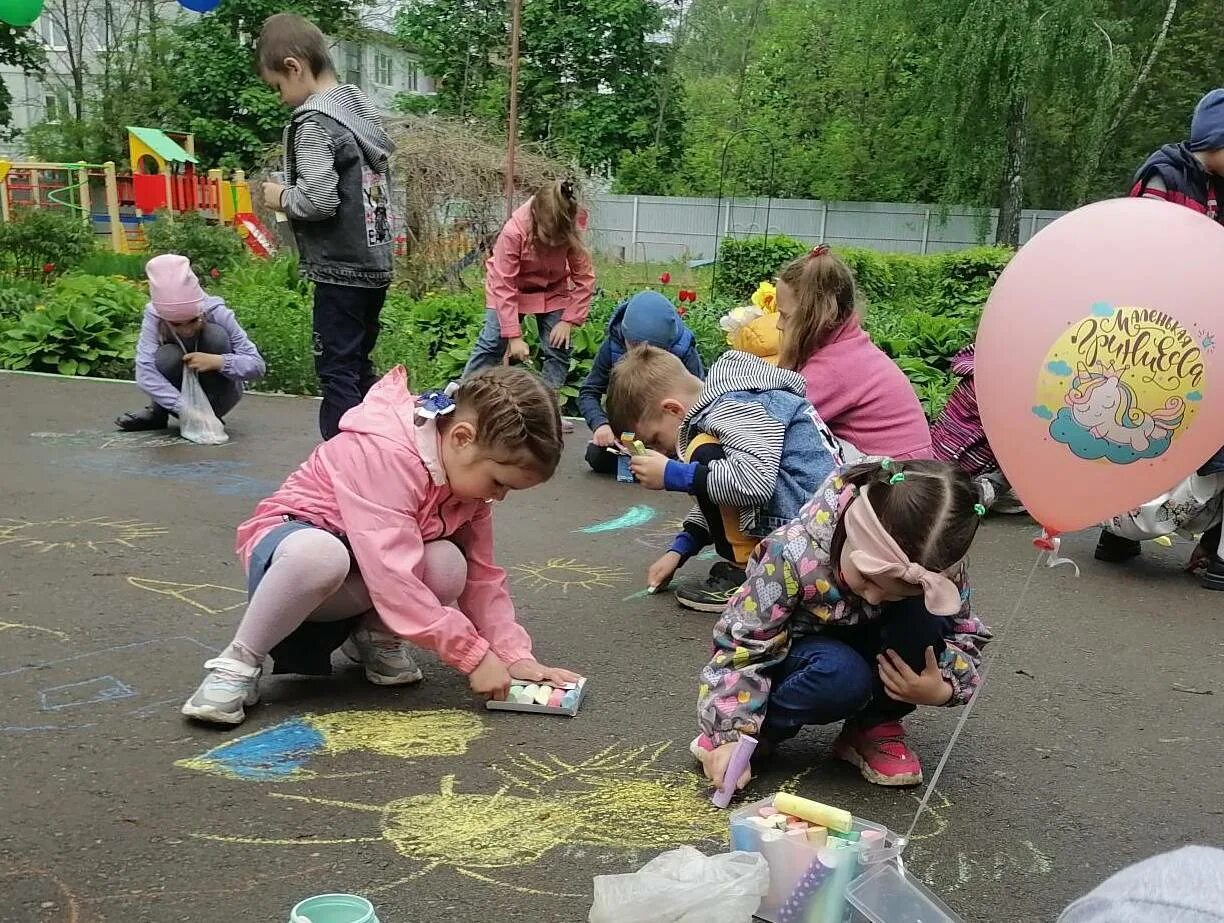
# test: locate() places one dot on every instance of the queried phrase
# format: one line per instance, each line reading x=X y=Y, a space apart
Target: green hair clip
x=886 y=463
x=979 y=509
x=897 y=478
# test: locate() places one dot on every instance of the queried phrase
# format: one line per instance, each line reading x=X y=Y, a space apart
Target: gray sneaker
x=387 y=658
x=229 y=685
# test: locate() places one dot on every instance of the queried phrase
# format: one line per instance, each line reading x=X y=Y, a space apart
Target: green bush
x=18 y=296
x=432 y=337
x=275 y=311
x=87 y=325
x=108 y=263
x=210 y=247
x=39 y=243
x=744 y=264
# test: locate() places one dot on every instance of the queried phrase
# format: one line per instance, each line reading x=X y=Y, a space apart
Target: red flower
x=48 y=268
x=215 y=273
x=686 y=295
x=665 y=278
x=682 y=310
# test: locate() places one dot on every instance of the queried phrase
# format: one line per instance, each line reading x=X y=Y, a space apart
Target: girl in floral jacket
x=857 y=610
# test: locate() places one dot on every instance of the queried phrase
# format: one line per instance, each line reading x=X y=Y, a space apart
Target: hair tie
x=818 y=250
x=886 y=463
x=433 y=404
x=897 y=478
x=979 y=509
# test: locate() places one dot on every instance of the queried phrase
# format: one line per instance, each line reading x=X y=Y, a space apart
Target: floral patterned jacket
x=791 y=592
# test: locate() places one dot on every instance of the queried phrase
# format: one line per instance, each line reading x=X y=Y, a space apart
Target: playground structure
x=118 y=206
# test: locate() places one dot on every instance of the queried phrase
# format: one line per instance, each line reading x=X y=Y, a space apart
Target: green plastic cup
x=333 y=908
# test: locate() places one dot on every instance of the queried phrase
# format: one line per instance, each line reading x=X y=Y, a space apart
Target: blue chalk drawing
x=224 y=478
x=1043 y=411
x=1059 y=367
x=640 y=594
x=87 y=692
x=274 y=754
x=1082 y=443
x=1194 y=396
x=1103 y=309
x=631 y=518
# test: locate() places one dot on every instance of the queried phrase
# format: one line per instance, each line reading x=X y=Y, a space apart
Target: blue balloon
x=200 y=6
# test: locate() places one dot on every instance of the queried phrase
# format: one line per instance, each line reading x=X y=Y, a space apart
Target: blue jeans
x=832 y=675
x=491 y=347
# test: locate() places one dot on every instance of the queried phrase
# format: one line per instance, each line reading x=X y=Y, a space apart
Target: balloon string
x=968 y=710
x=1054 y=560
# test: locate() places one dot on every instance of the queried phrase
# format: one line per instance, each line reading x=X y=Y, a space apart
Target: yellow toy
x=753 y=328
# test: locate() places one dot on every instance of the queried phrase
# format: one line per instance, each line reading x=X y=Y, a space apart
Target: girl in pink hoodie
x=540 y=267
x=384 y=536
x=856 y=388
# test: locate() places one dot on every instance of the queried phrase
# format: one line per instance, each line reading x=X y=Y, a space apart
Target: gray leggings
x=223 y=393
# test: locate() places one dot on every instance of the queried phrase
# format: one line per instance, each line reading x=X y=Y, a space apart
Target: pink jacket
x=865 y=398
x=521 y=280
x=379 y=484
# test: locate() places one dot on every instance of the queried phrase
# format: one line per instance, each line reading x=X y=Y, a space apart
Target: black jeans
x=833 y=675
x=222 y=393
x=600 y=459
x=345 y=331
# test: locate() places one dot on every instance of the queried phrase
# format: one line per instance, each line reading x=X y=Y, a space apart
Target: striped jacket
x=775 y=448
x=958 y=436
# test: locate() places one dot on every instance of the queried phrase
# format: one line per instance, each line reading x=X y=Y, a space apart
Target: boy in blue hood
x=647 y=317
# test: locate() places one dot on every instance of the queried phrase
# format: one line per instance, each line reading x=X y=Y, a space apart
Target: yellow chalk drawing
x=70 y=533
x=617 y=798
x=566 y=573
x=280 y=753
x=6 y=626
x=219 y=598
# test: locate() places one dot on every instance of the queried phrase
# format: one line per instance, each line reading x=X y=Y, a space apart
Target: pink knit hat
x=174 y=290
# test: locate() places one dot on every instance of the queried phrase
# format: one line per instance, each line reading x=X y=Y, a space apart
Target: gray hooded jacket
x=1183 y=886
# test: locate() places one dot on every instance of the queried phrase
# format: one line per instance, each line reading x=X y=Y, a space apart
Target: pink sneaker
x=880 y=753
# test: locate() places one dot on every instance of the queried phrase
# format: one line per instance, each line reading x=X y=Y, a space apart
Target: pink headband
x=876 y=554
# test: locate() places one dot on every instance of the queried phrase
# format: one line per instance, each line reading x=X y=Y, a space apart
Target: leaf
x=67 y=367
x=80 y=316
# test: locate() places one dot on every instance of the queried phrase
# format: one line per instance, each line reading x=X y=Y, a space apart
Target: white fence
x=641 y=228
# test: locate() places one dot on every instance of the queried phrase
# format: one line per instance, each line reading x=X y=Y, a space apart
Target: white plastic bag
x=197 y=422
x=684 y=886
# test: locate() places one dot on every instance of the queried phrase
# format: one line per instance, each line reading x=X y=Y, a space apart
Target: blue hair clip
x=433 y=404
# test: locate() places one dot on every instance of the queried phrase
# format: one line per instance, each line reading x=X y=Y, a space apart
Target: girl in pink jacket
x=856 y=388
x=539 y=266
x=384 y=536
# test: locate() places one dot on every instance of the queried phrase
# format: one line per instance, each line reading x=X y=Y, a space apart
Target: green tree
x=18 y=48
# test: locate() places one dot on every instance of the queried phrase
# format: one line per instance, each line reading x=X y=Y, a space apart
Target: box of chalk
x=814 y=852
x=542 y=698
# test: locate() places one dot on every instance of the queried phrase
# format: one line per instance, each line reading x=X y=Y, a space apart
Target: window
x=55 y=106
x=51 y=31
x=352 y=65
x=101 y=29
x=384 y=70
x=412 y=78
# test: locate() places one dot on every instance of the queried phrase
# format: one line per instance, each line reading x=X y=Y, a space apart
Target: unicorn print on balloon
x=1103 y=404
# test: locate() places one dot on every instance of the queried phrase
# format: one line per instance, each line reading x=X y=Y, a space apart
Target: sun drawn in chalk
x=565 y=573
x=617 y=798
x=71 y=533
x=660 y=535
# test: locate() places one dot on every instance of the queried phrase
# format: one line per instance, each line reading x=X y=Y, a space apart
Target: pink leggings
x=311 y=578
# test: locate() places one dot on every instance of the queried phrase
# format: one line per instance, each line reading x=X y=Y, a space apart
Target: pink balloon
x=1098 y=378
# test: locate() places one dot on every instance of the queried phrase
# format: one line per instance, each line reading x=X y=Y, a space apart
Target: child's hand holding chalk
x=661 y=571
x=648 y=467
x=716 y=762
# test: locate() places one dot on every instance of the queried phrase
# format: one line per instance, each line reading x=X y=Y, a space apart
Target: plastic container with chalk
x=333 y=908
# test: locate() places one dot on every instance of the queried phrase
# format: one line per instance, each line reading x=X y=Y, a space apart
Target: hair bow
x=818 y=250
x=433 y=404
x=876 y=554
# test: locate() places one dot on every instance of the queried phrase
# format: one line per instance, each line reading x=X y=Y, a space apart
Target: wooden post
x=4 y=198
x=118 y=238
x=35 y=188
x=516 y=8
x=926 y=231
x=84 y=197
x=169 y=194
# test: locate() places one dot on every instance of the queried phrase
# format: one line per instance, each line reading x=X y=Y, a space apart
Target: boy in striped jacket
x=745 y=443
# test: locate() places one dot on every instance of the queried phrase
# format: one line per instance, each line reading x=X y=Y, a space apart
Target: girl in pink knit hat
x=183 y=326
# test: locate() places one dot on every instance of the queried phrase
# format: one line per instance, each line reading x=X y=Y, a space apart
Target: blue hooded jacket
x=590 y=395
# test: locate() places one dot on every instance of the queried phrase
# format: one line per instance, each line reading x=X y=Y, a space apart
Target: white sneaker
x=229 y=685
x=387 y=658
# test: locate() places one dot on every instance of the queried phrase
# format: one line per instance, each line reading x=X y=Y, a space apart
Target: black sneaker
x=137 y=421
x=1213 y=574
x=1115 y=549
x=712 y=593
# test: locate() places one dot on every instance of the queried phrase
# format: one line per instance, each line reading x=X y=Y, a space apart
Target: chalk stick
x=570 y=698
x=813 y=811
x=543 y=694
x=871 y=839
x=796 y=825
x=797 y=833
x=555 y=699
x=739 y=762
x=817 y=836
x=768 y=811
x=515 y=689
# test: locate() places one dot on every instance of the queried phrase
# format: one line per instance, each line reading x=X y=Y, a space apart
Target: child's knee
x=445 y=570
x=320 y=561
x=214 y=339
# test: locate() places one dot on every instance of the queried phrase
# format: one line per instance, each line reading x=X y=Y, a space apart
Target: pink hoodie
x=865 y=398
x=522 y=280
x=380 y=484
